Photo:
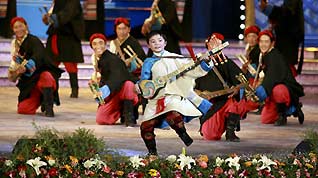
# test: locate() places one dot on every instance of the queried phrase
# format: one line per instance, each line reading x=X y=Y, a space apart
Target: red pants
x=214 y=127
x=31 y=104
x=109 y=113
x=71 y=67
x=280 y=94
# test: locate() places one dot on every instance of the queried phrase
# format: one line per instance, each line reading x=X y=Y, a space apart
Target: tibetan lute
x=150 y=88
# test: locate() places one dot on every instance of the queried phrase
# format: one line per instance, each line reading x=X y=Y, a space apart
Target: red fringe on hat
x=268 y=33
x=97 y=35
x=218 y=36
x=120 y=20
x=15 y=19
x=252 y=29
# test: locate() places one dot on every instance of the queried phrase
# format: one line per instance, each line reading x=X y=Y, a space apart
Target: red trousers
x=71 y=67
x=214 y=127
x=31 y=104
x=110 y=112
x=280 y=94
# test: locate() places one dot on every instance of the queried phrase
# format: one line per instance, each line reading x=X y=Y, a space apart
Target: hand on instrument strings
x=20 y=70
x=235 y=91
x=137 y=89
x=244 y=67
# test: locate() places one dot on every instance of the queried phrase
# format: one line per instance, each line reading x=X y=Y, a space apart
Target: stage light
x=241 y=36
x=242 y=7
x=242 y=0
x=242 y=26
x=242 y=17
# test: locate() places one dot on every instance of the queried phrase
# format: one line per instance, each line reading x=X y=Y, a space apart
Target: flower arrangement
x=41 y=162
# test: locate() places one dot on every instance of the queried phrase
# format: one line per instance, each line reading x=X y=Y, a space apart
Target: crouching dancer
x=115 y=82
x=37 y=76
x=174 y=101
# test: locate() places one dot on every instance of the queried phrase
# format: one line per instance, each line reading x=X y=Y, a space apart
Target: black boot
x=74 y=85
x=299 y=113
x=48 y=102
x=282 y=117
x=182 y=133
x=232 y=122
x=128 y=113
x=151 y=146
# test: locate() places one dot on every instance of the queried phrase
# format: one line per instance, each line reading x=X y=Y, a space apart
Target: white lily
x=136 y=161
x=51 y=162
x=94 y=162
x=8 y=163
x=266 y=163
x=254 y=161
x=219 y=161
x=36 y=164
x=185 y=161
x=88 y=164
x=234 y=162
x=172 y=158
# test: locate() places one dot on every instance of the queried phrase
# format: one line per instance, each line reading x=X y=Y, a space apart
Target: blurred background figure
x=287 y=24
x=164 y=17
x=66 y=29
x=8 y=10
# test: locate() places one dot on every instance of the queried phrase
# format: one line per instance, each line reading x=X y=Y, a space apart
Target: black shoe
x=74 y=93
x=42 y=107
x=231 y=137
x=49 y=113
x=187 y=140
x=282 y=120
x=299 y=113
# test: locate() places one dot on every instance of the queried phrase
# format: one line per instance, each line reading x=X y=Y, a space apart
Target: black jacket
x=69 y=32
x=32 y=48
x=113 y=71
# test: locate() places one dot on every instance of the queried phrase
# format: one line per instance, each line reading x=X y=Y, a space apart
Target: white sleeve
x=112 y=47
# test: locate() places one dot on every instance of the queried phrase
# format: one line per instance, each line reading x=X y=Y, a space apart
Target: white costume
x=178 y=93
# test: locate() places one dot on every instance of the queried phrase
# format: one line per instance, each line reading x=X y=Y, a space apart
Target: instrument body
x=150 y=88
x=95 y=90
x=244 y=60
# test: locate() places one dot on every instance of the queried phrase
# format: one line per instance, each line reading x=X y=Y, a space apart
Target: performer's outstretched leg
x=147 y=134
x=176 y=123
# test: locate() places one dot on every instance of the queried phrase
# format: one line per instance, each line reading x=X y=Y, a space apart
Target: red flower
x=218 y=171
x=53 y=172
x=21 y=168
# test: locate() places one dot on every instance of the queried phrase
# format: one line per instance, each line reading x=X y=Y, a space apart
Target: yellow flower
x=73 y=159
x=312 y=155
x=49 y=157
x=309 y=165
x=203 y=158
x=152 y=172
x=68 y=168
x=177 y=166
x=248 y=163
x=20 y=157
x=120 y=173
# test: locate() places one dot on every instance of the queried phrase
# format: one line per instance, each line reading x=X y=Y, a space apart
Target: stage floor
x=80 y=113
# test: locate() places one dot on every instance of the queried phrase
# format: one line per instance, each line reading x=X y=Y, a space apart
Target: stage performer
x=66 y=29
x=228 y=109
x=36 y=74
x=116 y=86
x=176 y=101
x=279 y=89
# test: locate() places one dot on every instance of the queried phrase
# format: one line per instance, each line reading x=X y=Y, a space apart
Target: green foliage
x=312 y=137
x=81 y=144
